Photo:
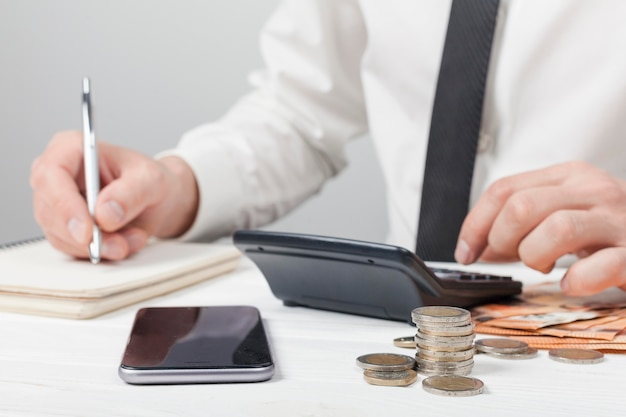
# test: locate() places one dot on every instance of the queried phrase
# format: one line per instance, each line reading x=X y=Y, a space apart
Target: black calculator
x=363 y=278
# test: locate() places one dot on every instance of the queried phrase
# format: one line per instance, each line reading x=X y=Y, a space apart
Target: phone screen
x=197 y=344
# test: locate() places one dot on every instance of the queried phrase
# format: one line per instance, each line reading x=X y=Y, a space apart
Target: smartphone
x=187 y=345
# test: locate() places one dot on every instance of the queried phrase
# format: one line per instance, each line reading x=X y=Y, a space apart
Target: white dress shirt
x=338 y=69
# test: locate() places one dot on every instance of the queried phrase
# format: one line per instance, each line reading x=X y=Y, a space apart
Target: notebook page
x=38 y=268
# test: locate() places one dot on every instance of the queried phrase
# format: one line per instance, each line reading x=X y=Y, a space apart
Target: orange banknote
x=545 y=318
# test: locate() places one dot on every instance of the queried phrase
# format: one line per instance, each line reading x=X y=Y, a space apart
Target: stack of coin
x=389 y=369
x=444 y=340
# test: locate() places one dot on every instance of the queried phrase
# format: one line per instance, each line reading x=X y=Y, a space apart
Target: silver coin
x=529 y=353
x=577 y=356
x=446 y=340
x=500 y=345
x=421 y=344
x=385 y=362
x=405 y=342
x=423 y=363
x=391 y=379
x=446 y=346
x=440 y=314
x=441 y=330
x=435 y=355
x=466 y=370
x=453 y=386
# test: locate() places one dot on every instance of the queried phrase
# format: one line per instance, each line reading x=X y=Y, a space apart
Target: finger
x=489 y=255
x=120 y=245
x=65 y=151
x=59 y=215
x=136 y=239
x=563 y=232
x=525 y=210
x=71 y=249
x=602 y=270
x=473 y=237
x=58 y=205
x=73 y=234
x=141 y=184
x=115 y=246
x=588 y=251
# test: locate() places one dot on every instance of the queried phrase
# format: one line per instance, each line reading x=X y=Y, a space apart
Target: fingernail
x=77 y=229
x=565 y=284
x=110 y=250
x=463 y=254
x=113 y=211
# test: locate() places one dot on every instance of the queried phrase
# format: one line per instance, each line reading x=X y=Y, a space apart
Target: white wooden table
x=59 y=367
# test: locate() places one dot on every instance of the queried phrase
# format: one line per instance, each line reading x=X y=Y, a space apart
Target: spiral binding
x=19 y=243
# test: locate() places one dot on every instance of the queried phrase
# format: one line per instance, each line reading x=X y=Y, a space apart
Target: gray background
x=158 y=68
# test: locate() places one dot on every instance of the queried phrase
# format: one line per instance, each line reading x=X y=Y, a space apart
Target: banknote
x=547 y=342
x=545 y=318
x=603 y=328
x=547 y=298
x=615 y=345
x=538 y=321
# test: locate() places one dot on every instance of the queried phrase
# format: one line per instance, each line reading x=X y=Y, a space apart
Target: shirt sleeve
x=279 y=144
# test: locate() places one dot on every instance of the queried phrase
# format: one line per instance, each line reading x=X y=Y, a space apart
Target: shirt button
x=485 y=142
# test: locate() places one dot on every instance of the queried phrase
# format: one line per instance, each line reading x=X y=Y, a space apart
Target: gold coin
x=385 y=362
x=405 y=342
x=390 y=379
x=577 y=356
x=500 y=345
x=453 y=385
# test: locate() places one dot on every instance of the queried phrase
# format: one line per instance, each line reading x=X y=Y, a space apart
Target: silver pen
x=92 y=172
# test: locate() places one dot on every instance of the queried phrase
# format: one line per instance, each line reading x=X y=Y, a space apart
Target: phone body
x=363 y=278
x=189 y=345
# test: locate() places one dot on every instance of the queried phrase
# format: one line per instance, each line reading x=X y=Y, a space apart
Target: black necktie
x=455 y=123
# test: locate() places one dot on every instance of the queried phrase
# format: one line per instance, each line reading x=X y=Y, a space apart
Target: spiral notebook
x=37 y=279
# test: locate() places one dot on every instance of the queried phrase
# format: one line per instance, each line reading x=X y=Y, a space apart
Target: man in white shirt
x=554 y=114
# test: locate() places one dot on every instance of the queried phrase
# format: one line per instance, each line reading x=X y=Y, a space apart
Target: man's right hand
x=538 y=216
x=140 y=197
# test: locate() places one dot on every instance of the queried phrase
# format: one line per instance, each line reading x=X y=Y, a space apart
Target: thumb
x=138 y=186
